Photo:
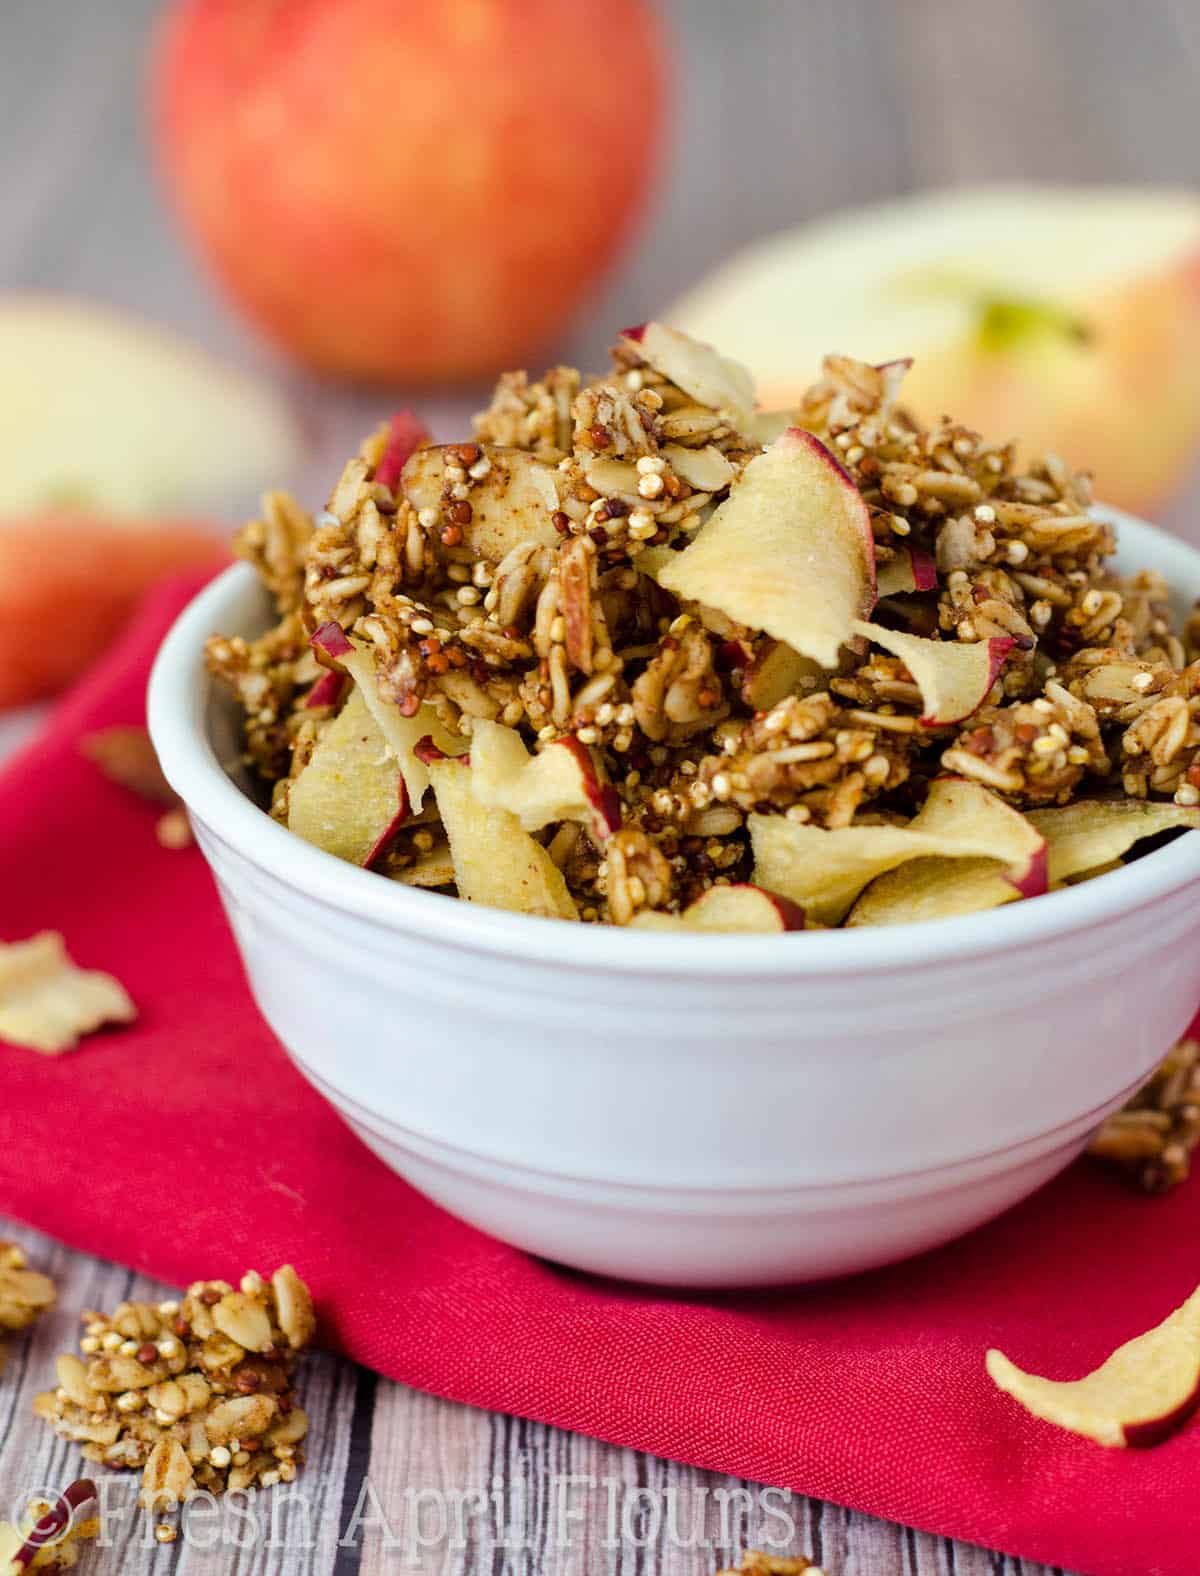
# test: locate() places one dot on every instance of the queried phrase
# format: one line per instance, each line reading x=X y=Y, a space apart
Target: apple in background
x=792 y=508
x=103 y=412
x=68 y=582
x=1066 y=318
x=408 y=189
x=112 y=435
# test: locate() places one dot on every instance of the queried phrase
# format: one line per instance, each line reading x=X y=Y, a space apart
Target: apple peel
x=909 y=569
x=823 y=871
x=1091 y=834
x=561 y=783
x=790 y=551
x=955 y=677
x=729 y=910
x=406 y=434
x=1138 y=1397
x=496 y=862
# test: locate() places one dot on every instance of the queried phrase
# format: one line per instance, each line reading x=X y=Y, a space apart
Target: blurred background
x=355 y=204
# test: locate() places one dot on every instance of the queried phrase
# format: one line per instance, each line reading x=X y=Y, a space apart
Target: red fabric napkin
x=187 y=1146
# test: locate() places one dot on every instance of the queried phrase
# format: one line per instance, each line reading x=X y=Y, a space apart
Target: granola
x=1152 y=1137
x=757 y=1562
x=197 y=1393
x=611 y=564
x=47 y=1003
x=24 y=1294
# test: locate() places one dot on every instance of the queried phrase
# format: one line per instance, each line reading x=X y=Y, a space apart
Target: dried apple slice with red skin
x=514 y=503
x=350 y=799
x=1091 y=833
x=561 y=783
x=699 y=370
x=824 y=871
x=496 y=862
x=77 y=1502
x=955 y=677
x=730 y=910
x=911 y=569
x=1138 y=1397
x=789 y=552
x=406 y=434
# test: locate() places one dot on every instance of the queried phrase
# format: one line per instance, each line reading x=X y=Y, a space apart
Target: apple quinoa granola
x=637 y=640
x=24 y=1294
x=197 y=1393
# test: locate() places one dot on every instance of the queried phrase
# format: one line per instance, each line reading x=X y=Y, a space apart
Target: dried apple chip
x=561 y=783
x=496 y=862
x=825 y=870
x=351 y=797
x=1138 y=1397
x=47 y=1004
x=401 y=732
x=1090 y=834
x=790 y=551
x=744 y=908
x=954 y=677
x=710 y=378
x=933 y=889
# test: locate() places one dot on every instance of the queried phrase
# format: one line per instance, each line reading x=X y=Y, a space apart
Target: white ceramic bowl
x=702 y=1110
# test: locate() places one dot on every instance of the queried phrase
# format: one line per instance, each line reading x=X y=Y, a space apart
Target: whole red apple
x=409 y=189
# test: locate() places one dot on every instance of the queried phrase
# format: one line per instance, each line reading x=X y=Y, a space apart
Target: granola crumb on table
x=197 y=1393
x=511 y=578
x=757 y=1562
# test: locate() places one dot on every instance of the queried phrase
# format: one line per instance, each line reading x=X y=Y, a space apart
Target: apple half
x=790 y=551
x=496 y=862
x=695 y=367
x=824 y=871
x=1090 y=834
x=514 y=503
x=350 y=799
x=1046 y=312
x=955 y=677
x=103 y=412
x=729 y=909
x=561 y=783
x=1138 y=1397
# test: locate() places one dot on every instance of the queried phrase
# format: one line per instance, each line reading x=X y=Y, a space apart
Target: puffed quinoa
x=204 y=1400
x=512 y=579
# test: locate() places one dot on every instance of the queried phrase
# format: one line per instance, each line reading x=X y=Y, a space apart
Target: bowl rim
x=177 y=708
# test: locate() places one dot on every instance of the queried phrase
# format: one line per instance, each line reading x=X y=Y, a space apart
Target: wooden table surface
x=787 y=108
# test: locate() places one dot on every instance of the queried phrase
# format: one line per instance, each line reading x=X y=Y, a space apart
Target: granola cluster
x=515 y=579
x=197 y=1394
x=23 y=1293
x=1152 y=1138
